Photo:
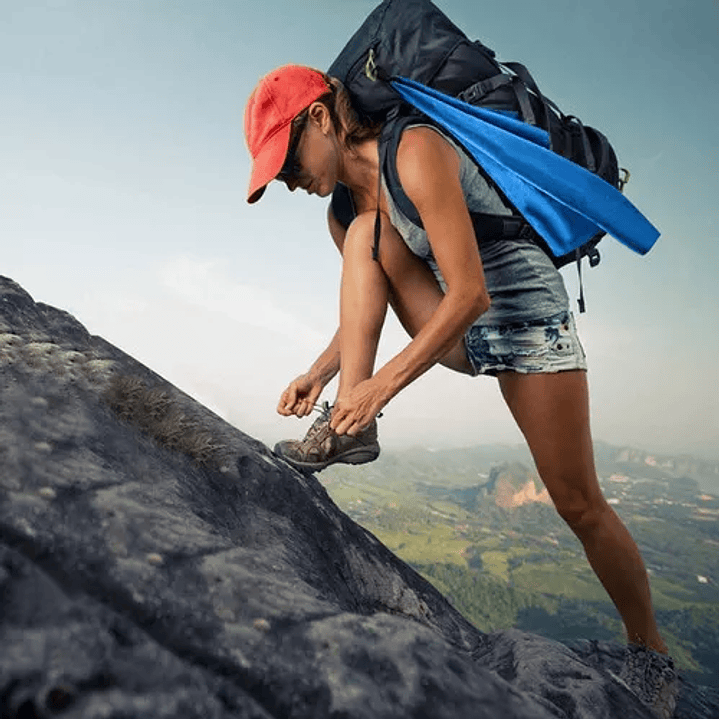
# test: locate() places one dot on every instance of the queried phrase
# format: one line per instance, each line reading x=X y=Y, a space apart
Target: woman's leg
x=552 y=411
x=400 y=279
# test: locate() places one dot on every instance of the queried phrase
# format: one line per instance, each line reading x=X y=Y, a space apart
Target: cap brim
x=269 y=162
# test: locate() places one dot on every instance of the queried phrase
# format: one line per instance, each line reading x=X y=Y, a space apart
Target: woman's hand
x=300 y=396
x=352 y=413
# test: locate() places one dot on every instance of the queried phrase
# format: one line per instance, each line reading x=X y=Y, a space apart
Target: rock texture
x=157 y=562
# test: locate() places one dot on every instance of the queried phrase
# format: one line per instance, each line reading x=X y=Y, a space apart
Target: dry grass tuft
x=155 y=413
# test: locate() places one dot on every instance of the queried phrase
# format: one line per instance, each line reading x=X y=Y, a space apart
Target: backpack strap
x=389 y=144
x=474 y=94
x=580 y=299
x=528 y=82
x=342 y=205
x=590 y=161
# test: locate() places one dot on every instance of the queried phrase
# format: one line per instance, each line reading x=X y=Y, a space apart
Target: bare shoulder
x=422 y=143
x=426 y=163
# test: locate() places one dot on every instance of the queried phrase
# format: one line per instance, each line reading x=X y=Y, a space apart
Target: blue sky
x=123 y=201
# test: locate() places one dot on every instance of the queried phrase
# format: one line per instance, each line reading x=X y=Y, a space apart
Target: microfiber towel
x=564 y=202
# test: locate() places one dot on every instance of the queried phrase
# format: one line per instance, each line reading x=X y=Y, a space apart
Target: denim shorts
x=547 y=345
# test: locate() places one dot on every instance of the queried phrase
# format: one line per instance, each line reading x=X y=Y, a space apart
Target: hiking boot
x=322 y=447
x=653 y=678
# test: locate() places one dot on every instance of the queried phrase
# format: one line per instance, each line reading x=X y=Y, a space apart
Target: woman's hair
x=350 y=129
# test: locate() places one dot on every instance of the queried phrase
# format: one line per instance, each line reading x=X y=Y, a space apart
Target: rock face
x=157 y=562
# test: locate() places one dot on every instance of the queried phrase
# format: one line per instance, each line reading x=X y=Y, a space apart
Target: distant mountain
x=472 y=466
x=512 y=485
x=703 y=472
x=509 y=485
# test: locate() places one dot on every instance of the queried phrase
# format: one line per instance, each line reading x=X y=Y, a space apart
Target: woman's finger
x=337 y=419
x=344 y=422
x=282 y=406
x=288 y=401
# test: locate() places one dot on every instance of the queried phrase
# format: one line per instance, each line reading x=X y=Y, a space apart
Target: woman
x=476 y=306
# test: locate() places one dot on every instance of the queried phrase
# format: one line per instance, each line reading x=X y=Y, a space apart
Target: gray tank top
x=522 y=282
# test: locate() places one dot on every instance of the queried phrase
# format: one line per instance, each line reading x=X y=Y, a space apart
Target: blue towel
x=565 y=203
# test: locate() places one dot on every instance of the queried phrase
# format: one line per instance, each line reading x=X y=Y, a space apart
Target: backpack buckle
x=370 y=68
x=624 y=176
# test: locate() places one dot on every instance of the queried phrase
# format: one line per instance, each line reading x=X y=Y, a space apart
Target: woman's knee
x=362 y=226
x=360 y=238
x=583 y=511
x=362 y=229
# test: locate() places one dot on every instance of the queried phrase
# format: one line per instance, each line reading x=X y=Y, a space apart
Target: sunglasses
x=292 y=167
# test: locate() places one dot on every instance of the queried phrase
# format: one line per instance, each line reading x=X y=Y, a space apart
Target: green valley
x=477 y=525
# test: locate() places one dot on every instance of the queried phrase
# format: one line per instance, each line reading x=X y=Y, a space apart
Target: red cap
x=278 y=98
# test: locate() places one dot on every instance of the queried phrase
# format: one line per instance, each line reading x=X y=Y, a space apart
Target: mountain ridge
x=609 y=458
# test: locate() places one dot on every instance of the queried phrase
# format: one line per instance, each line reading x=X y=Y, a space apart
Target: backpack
x=416 y=40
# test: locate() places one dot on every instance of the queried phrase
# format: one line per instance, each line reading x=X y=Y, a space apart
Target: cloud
x=204 y=284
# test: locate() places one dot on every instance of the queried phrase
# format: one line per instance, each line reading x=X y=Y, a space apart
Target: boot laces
x=325 y=410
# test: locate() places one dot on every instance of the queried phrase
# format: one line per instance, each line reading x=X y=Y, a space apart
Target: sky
x=124 y=176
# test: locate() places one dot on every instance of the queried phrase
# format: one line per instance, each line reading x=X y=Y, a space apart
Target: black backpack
x=415 y=39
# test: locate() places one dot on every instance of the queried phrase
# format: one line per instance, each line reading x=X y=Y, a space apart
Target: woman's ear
x=320 y=116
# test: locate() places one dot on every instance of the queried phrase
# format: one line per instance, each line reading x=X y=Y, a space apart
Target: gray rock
x=157 y=562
